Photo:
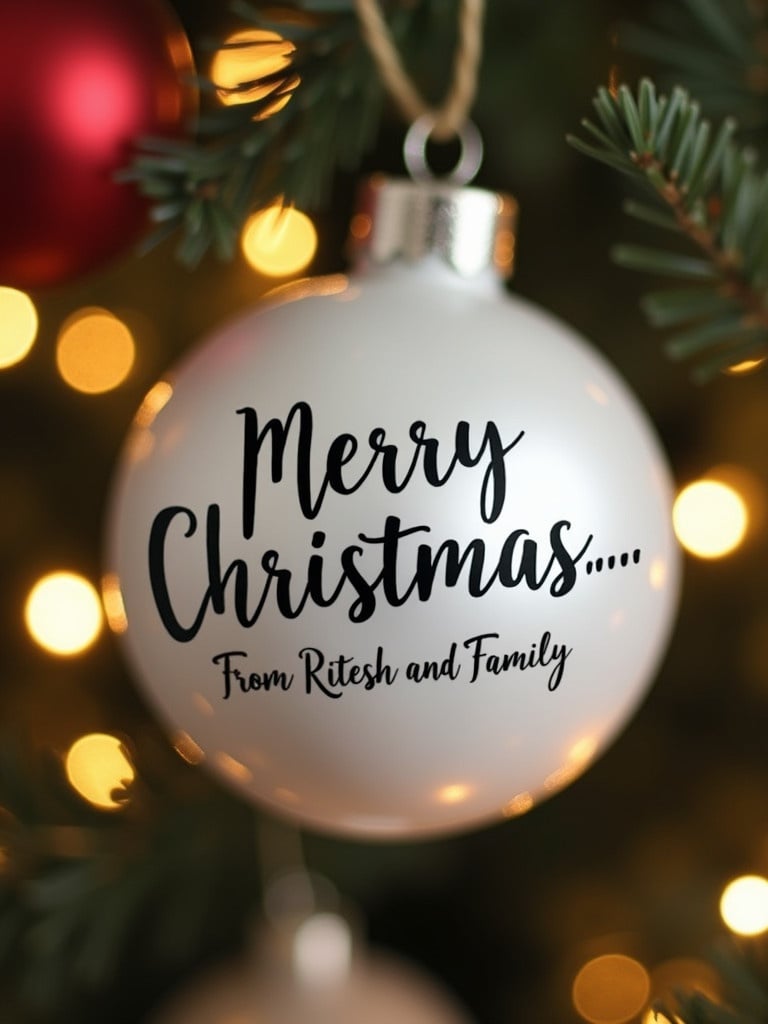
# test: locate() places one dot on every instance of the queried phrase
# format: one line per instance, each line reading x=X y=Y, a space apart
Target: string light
x=611 y=989
x=63 y=613
x=710 y=518
x=279 y=241
x=96 y=766
x=247 y=58
x=18 y=326
x=744 y=905
x=95 y=351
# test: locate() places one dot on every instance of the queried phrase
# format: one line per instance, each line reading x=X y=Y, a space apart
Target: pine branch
x=707 y=194
x=745 y=982
x=77 y=887
x=716 y=49
x=248 y=154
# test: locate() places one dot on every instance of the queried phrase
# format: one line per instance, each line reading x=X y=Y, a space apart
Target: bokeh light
x=744 y=905
x=95 y=350
x=322 y=950
x=710 y=518
x=63 y=613
x=611 y=989
x=279 y=241
x=745 y=366
x=18 y=326
x=96 y=766
x=249 y=57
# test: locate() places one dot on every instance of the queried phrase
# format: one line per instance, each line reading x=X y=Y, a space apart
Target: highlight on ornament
x=63 y=613
x=744 y=905
x=322 y=950
x=611 y=989
x=99 y=769
x=248 y=58
x=710 y=518
x=18 y=326
x=95 y=351
x=279 y=241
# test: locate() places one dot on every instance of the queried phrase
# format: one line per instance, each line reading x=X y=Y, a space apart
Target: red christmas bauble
x=80 y=80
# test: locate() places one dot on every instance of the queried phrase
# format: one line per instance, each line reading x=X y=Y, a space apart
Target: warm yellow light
x=710 y=518
x=651 y=1017
x=744 y=905
x=279 y=241
x=63 y=613
x=745 y=366
x=232 y=767
x=454 y=794
x=254 y=54
x=611 y=989
x=187 y=749
x=112 y=596
x=520 y=804
x=18 y=326
x=96 y=766
x=94 y=351
x=156 y=399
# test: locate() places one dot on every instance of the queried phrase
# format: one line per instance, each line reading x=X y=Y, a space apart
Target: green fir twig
x=716 y=49
x=705 y=192
x=242 y=158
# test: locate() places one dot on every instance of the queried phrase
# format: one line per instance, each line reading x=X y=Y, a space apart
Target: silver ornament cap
x=470 y=229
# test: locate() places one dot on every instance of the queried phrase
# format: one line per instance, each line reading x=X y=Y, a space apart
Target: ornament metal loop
x=415 y=151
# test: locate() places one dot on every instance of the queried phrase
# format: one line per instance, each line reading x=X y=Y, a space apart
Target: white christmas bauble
x=395 y=552
x=377 y=990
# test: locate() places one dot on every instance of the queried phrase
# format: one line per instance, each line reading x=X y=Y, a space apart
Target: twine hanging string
x=451 y=116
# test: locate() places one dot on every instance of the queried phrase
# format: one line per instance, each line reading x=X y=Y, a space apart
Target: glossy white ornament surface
x=552 y=436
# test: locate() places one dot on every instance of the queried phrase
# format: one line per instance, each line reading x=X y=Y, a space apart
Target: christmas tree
x=126 y=869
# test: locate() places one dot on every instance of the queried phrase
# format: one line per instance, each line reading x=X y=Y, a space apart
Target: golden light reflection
x=96 y=766
x=744 y=905
x=278 y=241
x=140 y=445
x=520 y=804
x=202 y=705
x=95 y=351
x=596 y=393
x=745 y=366
x=247 y=59
x=657 y=574
x=187 y=749
x=454 y=794
x=233 y=768
x=611 y=989
x=18 y=326
x=112 y=598
x=63 y=613
x=651 y=1017
x=710 y=518
x=287 y=796
x=154 y=401
x=583 y=750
